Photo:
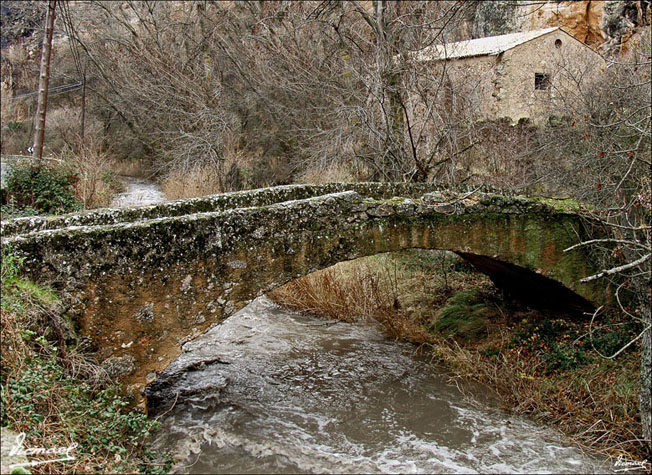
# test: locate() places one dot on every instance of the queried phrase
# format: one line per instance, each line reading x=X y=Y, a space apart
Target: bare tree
x=342 y=79
x=299 y=85
x=606 y=142
x=157 y=71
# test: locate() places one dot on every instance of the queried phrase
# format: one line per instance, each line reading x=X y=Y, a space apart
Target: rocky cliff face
x=606 y=24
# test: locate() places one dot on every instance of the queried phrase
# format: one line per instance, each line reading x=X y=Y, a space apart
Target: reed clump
x=198 y=181
x=96 y=182
x=355 y=291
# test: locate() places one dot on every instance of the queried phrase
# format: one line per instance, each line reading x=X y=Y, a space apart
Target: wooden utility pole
x=83 y=112
x=44 y=79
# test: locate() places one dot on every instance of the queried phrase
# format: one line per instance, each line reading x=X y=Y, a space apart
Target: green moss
x=395 y=200
x=559 y=204
x=19 y=294
x=40 y=293
x=465 y=315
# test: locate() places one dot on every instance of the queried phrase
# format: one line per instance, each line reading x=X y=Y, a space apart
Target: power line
x=74 y=49
x=70 y=32
x=68 y=87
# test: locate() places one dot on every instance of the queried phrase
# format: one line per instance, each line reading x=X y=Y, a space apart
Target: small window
x=541 y=81
x=557 y=43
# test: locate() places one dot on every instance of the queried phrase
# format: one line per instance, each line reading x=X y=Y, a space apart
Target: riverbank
x=51 y=387
x=542 y=364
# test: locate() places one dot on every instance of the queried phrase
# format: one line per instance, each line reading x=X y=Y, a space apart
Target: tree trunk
x=44 y=79
x=388 y=94
x=646 y=368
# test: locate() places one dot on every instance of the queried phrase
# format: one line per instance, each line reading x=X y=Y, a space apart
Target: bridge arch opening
x=514 y=282
x=360 y=297
x=528 y=286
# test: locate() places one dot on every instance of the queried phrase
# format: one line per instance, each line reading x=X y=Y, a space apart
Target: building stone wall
x=503 y=85
x=573 y=61
x=476 y=80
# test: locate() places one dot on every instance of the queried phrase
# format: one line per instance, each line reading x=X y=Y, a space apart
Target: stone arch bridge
x=145 y=280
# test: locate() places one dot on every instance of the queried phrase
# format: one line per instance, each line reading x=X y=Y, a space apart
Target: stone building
x=532 y=74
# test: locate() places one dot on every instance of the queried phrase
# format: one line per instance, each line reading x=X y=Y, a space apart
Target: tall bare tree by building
x=602 y=157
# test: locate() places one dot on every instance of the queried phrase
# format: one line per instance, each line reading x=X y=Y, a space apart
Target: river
x=276 y=391
x=138 y=192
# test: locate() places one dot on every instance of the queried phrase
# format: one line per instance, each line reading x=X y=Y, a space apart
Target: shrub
x=94 y=184
x=49 y=405
x=9 y=268
x=564 y=356
x=9 y=211
x=609 y=342
x=548 y=331
x=44 y=189
x=564 y=347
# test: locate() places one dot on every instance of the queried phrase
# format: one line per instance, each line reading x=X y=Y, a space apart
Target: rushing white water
x=284 y=392
x=139 y=192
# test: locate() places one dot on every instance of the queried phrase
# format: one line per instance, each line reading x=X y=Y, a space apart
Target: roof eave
x=477 y=55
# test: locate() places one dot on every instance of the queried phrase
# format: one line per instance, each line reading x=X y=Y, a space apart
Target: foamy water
x=296 y=393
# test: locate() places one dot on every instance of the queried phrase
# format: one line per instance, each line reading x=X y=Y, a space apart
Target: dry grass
x=353 y=291
x=346 y=292
x=138 y=168
x=96 y=183
x=330 y=173
x=15 y=349
x=195 y=178
x=595 y=404
x=16 y=128
x=25 y=354
x=199 y=181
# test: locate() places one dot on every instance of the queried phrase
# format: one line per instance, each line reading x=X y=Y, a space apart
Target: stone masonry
x=143 y=281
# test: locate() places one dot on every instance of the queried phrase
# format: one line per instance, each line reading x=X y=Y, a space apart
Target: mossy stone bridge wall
x=148 y=279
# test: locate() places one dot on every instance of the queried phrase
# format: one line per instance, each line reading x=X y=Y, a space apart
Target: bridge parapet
x=221 y=202
x=146 y=287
